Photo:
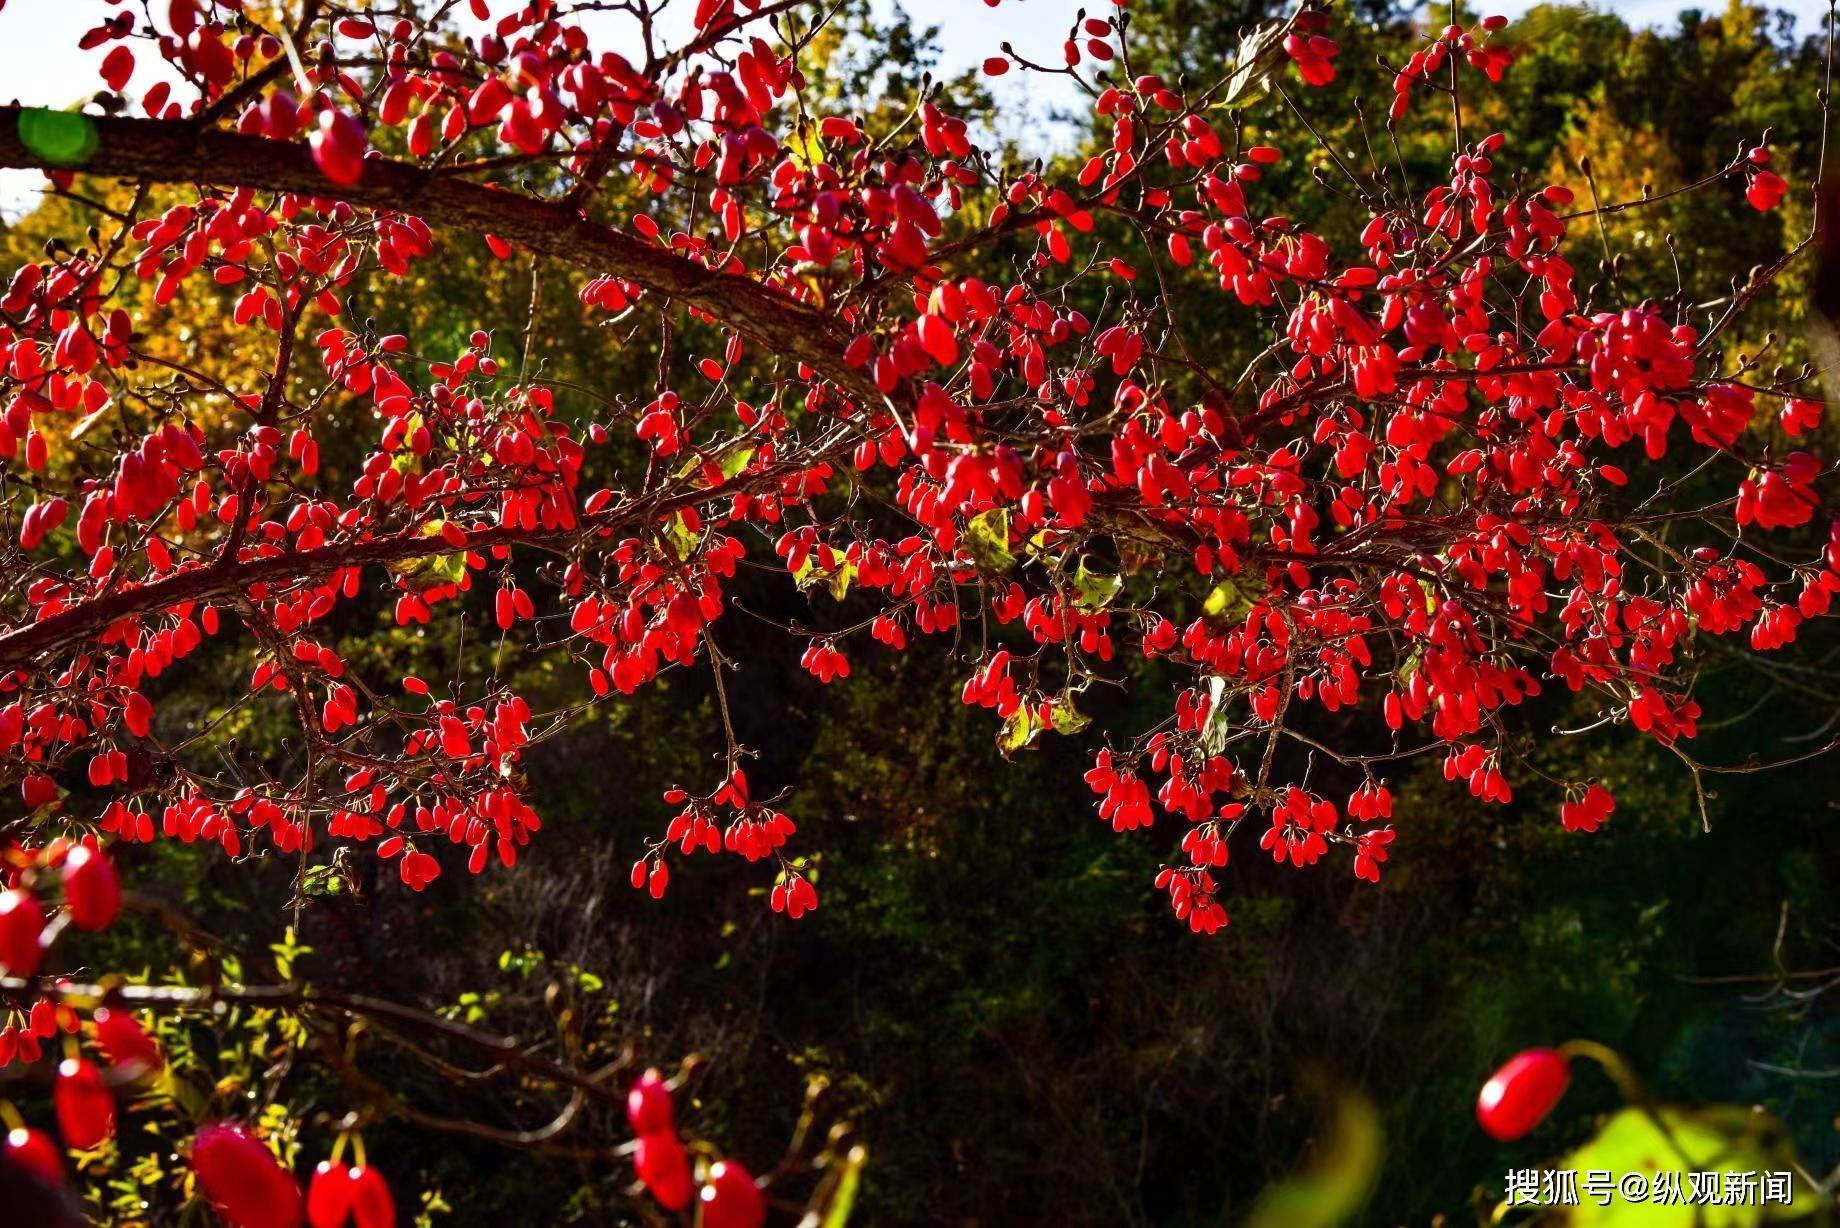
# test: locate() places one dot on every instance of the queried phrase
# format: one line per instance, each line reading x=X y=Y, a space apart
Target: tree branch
x=177 y=151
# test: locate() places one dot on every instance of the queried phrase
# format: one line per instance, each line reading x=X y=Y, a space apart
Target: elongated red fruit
x=731 y=1199
x=125 y=1042
x=33 y=1150
x=92 y=889
x=338 y=147
x=648 y=1105
x=1522 y=1093
x=242 y=1179
x=372 y=1205
x=85 y=1108
x=664 y=1168
x=358 y=1196
x=329 y=1195
x=22 y=921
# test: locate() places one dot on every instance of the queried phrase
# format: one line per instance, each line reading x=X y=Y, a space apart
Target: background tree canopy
x=1009 y=1019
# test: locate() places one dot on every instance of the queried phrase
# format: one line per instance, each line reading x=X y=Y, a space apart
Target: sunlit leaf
x=1018 y=731
x=849 y=1180
x=1254 y=64
x=1335 y=1184
x=1214 y=729
x=1025 y=724
x=1718 y=1139
x=1094 y=590
x=678 y=536
x=734 y=461
x=986 y=540
x=1226 y=601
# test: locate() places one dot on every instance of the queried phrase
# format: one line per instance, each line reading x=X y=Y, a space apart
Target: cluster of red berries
x=753 y=831
x=1452 y=360
x=248 y=1187
x=1587 y=810
x=1313 y=51
x=1191 y=896
x=1765 y=188
x=237 y=1174
x=726 y=1193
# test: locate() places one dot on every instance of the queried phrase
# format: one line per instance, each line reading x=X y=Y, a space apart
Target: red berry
x=338 y=147
x=372 y=1206
x=648 y=1105
x=664 y=1169
x=281 y=116
x=117 y=67
x=1765 y=190
x=358 y=1195
x=243 y=1181
x=38 y=790
x=85 y=1108
x=92 y=889
x=329 y=1195
x=22 y=922
x=125 y=1042
x=1522 y=1093
x=731 y=1199
x=33 y=1150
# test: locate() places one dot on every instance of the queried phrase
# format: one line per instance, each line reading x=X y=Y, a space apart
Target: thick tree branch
x=91 y=617
x=179 y=151
x=605 y=1084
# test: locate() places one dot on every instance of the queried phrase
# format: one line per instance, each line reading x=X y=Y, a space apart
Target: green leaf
x=734 y=461
x=62 y=138
x=1719 y=1138
x=1253 y=65
x=449 y=568
x=806 y=148
x=849 y=1180
x=1214 y=732
x=405 y=461
x=837 y=579
x=322 y=880
x=1063 y=717
x=1094 y=590
x=1025 y=724
x=186 y=1094
x=433 y=570
x=678 y=536
x=1410 y=665
x=729 y=463
x=986 y=540
x=1333 y=1187
x=1228 y=601
x=287 y=951
x=1018 y=731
